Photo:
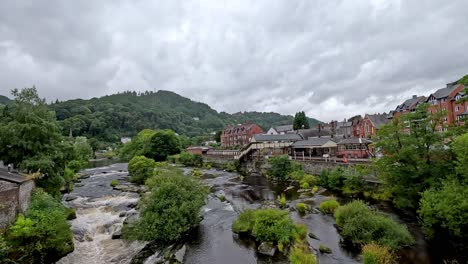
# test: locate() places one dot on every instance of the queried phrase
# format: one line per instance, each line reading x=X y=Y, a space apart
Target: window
x=457 y=108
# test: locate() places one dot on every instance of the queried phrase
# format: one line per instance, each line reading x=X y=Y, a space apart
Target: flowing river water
x=101 y=211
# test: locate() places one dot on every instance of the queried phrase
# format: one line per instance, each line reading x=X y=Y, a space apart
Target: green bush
x=114 y=183
x=174 y=158
x=299 y=255
x=329 y=206
x=70 y=213
x=302 y=208
x=282 y=200
x=43 y=235
x=315 y=189
x=266 y=225
x=189 y=159
x=77 y=165
x=244 y=222
x=171 y=209
x=445 y=209
x=310 y=179
x=375 y=254
x=305 y=186
x=140 y=168
x=281 y=167
x=362 y=226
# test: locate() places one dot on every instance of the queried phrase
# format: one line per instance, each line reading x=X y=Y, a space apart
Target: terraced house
x=239 y=135
x=445 y=99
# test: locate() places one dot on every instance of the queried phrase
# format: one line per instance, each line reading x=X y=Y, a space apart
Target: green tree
x=445 y=209
x=30 y=139
x=140 y=145
x=281 y=167
x=43 y=235
x=300 y=121
x=82 y=149
x=415 y=156
x=163 y=144
x=218 y=136
x=171 y=209
x=460 y=147
x=140 y=168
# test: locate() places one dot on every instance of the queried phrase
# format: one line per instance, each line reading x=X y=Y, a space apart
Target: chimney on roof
x=415 y=96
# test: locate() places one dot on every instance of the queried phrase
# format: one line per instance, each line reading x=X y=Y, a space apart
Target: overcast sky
x=331 y=59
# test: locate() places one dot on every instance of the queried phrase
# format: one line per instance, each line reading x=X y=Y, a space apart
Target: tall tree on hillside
x=416 y=157
x=31 y=140
x=300 y=121
x=162 y=144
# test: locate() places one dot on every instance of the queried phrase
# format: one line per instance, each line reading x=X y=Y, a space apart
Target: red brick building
x=239 y=135
x=409 y=105
x=460 y=110
x=371 y=123
x=357 y=127
x=356 y=148
x=444 y=99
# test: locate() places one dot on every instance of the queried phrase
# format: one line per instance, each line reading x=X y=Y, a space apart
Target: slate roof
x=343 y=124
x=239 y=129
x=285 y=128
x=410 y=103
x=355 y=141
x=378 y=120
x=311 y=142
x=444 y=92
x=314 y=132
x=279 y=137
x=12 y=177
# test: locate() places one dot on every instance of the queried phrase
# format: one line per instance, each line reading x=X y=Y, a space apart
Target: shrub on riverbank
x=375 y=254
x=361 y=225
x=266 y=225
x=302 y=208
x=281 y=167
x=42 y=235
x=140 y=168
x=170 y=210
x=301 y=255
x=329 y=206
x=189 y=159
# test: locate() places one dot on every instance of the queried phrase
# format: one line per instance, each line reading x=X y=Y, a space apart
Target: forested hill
x=4 y=100
x=110 y=117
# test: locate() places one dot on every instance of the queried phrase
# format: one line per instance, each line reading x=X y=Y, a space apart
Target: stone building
x=15 y=194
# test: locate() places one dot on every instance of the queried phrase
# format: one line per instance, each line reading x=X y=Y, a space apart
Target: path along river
x=101 y=211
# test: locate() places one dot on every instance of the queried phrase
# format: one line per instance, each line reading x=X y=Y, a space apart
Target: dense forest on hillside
x=4 y=100
x=125 y=114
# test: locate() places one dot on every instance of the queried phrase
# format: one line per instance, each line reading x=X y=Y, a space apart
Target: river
x=101 y=211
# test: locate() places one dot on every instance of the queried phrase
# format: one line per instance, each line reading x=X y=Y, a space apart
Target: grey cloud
x=332 y=59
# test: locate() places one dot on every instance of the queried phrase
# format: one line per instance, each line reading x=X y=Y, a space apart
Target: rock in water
x=180 y=254
x=313 y=236
x=117 y=234
x=324 y=249
x=267 y=248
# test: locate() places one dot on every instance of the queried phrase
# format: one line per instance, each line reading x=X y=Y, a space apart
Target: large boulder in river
x=267 y=248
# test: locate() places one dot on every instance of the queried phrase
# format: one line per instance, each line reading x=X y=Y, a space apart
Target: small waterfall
x=100 y=212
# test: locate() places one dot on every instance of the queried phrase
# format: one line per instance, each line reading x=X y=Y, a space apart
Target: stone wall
x=25 y=195
x=316 y=167
x=9 y=203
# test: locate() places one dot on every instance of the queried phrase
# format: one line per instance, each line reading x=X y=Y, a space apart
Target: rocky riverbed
x=101 y=211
